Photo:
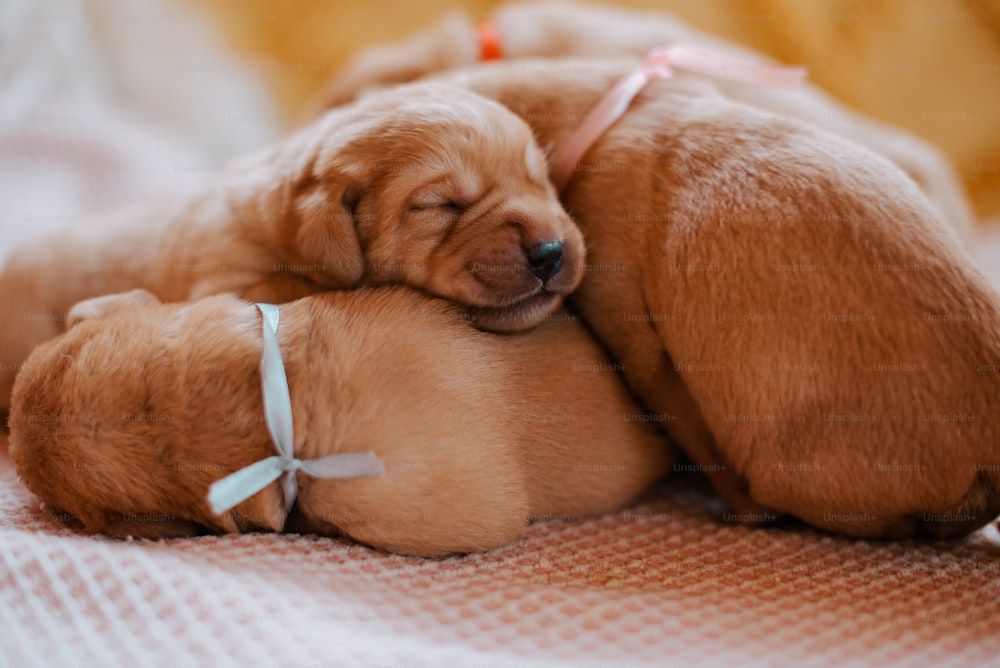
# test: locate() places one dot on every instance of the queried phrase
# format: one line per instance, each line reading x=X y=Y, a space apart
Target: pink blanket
x=662 y=583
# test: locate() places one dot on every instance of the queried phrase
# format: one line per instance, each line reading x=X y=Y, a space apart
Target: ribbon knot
x=657 y=65
x=241 y=485
x=660 y=64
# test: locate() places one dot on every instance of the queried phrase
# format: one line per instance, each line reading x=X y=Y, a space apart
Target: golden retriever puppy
x=430 y=186
x=560 y=29
x=126 y=420
x=786 y=302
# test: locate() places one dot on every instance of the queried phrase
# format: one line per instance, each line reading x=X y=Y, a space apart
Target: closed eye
x=454 y=207
x=451 y=206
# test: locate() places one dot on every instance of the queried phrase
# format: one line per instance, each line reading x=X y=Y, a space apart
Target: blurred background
x=108 y=102
x=930 y=66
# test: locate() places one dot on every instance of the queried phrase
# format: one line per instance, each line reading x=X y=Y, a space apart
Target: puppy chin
x=517 y=317
x=528 y=311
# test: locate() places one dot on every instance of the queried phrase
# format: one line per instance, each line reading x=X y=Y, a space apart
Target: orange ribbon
x=489 y=42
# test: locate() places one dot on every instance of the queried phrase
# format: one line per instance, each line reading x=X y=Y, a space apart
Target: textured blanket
x=666 y=582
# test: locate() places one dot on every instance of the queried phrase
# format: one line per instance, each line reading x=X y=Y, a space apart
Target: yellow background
x=931 y=66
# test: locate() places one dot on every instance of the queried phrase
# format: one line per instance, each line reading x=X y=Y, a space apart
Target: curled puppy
x=430 y=186
x=787 y=302
x=126 y=420
x=569 y=29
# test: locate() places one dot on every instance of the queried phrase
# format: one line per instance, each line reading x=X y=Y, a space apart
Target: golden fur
x=567 y=29
x=125 y=420
x=786 y=303
x=810 y=329
x=429 y=186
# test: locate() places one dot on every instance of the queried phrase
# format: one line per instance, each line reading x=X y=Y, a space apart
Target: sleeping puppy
x=125 y=420
x=785 y=302
x=561 y=29
x=429 y=185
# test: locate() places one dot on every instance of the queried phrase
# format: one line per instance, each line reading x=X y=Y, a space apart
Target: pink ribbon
x=660 y=64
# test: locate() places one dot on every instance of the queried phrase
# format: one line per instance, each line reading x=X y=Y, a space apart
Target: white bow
x=241 y=485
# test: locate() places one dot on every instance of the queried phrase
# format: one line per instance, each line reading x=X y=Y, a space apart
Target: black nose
x=546 y=259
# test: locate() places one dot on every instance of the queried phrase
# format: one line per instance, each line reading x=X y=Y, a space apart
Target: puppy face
x=449 y=192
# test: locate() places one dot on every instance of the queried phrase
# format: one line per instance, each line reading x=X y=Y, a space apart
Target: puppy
x=786 y=302
x=430 y=186
x=561 y=29
x=126 y=420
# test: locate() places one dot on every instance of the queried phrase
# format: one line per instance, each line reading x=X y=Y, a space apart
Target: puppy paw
x=100 y=307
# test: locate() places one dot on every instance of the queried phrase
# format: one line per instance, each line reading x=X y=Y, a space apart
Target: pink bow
x=660 y=64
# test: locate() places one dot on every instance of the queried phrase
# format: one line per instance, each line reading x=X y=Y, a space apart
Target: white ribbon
x=240 y=486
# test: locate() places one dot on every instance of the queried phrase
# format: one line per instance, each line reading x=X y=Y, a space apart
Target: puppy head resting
x=428 y=185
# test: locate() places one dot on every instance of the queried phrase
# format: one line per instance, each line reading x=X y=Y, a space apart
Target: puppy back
x=130 y=416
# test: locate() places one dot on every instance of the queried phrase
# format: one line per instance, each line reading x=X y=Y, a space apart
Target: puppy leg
x=27 y=320
x=44 y=278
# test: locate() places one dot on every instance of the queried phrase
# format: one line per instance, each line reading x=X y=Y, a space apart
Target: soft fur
x=430 y=186
x=561 y=29
x=125 y=420
x=786 y=303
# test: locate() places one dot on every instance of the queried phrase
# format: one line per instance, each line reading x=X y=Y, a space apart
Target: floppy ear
x=301 y=197
x=100 y=307
x=327 y=238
